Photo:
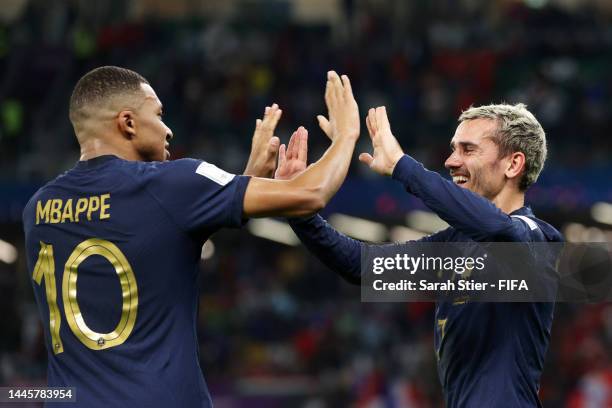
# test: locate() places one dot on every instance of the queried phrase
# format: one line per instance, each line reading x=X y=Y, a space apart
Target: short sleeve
x=198 y=195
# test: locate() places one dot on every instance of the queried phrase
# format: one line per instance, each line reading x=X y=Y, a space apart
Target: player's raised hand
x=264 y=147
x=292 y=160
x=342 y=109
x=387 y=151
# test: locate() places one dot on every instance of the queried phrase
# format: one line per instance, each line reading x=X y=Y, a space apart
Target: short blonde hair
x=517 y=131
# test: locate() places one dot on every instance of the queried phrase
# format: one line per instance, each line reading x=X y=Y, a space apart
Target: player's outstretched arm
x=264 y=146
x=337 y=251
x=311 y=190
x=465 y=210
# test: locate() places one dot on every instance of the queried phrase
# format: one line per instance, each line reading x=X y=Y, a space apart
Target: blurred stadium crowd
x=276 y=327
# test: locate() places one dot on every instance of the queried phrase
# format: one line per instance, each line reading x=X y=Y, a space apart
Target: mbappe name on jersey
x=58 y=210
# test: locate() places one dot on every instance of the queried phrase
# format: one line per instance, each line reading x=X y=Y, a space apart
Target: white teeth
x=459 y=179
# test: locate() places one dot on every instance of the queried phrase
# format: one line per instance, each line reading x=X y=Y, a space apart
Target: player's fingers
x=282 y=155
x=329 y=94
x=369 y=126
x=291 y=146
x=266 y=113
x=296 y=143
x=337 y=85
x=324 y=125
x=266 y=118
x=271 y=109
x=303 y=147
x=366 y=158
x=348 y=89
x=257 y=124
x=270 y=117
x=273 y=145
x=382 y=120
x=373 y=120
x=275 y=117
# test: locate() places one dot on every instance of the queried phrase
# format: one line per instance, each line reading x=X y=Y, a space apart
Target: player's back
x=113 y=250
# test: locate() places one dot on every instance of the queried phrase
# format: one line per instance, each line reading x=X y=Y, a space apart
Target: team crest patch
x=214 y=173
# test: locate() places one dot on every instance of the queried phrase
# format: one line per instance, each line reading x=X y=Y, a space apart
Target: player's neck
x=509 y=200
x=95 y=147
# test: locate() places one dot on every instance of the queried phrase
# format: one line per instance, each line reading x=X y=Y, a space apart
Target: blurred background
x=277 y=329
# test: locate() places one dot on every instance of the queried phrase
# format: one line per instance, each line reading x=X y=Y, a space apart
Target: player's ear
x=515 y=164
x=126 y=124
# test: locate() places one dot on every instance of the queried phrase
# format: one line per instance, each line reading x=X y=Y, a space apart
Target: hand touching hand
x=292 y=161
x=264 y=147
x=342 y=109
x=387 y=151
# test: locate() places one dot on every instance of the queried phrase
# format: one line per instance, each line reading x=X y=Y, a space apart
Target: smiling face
x=474 y=162
x=151 y=136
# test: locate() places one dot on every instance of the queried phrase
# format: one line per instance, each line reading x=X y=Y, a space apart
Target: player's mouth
x=167 y=151
x=460 y=179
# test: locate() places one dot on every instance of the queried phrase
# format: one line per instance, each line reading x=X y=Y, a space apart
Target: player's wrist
x=345 y=139
x=393 y=161
x=401 y=169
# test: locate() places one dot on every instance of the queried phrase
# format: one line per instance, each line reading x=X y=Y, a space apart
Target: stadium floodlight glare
x=400 y=233
x=208 y=250
x=576 y=232
x=273 y=230
x=8 y=253
x=425 y=221
x=359 y=228
x=573 y=232
x=602 y=212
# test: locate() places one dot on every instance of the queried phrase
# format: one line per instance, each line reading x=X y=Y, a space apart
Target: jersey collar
x=95 y=162
x=524 y=210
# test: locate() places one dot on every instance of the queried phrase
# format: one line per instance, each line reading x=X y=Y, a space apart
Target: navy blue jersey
x=113 y=248
x=489 y=354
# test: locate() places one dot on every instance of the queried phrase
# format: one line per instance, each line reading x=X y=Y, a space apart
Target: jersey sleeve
x=337 y=251
x=468 y=212
x=199 y=196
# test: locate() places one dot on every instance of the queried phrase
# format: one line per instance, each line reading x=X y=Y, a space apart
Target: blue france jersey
x=113 y=248
x=492 y=354
x=489 y=354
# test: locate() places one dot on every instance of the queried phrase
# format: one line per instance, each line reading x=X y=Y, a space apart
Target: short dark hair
x=101 y=83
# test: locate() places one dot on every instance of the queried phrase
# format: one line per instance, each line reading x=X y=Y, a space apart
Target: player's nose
x=169 y=135
x=453 y=161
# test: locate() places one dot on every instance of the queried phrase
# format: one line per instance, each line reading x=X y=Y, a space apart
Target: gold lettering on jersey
x=42 y=212
x=441 y=327
x=57 y=210
x=67 y=214
x=94 y=205
x=104 y=206
x=81 y=206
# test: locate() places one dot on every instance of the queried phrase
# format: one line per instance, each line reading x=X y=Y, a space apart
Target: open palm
x=264 y=146
x=293 y=159
x=387 y=150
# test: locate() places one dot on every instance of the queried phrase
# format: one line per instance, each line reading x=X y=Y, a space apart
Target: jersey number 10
x=45 y=269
